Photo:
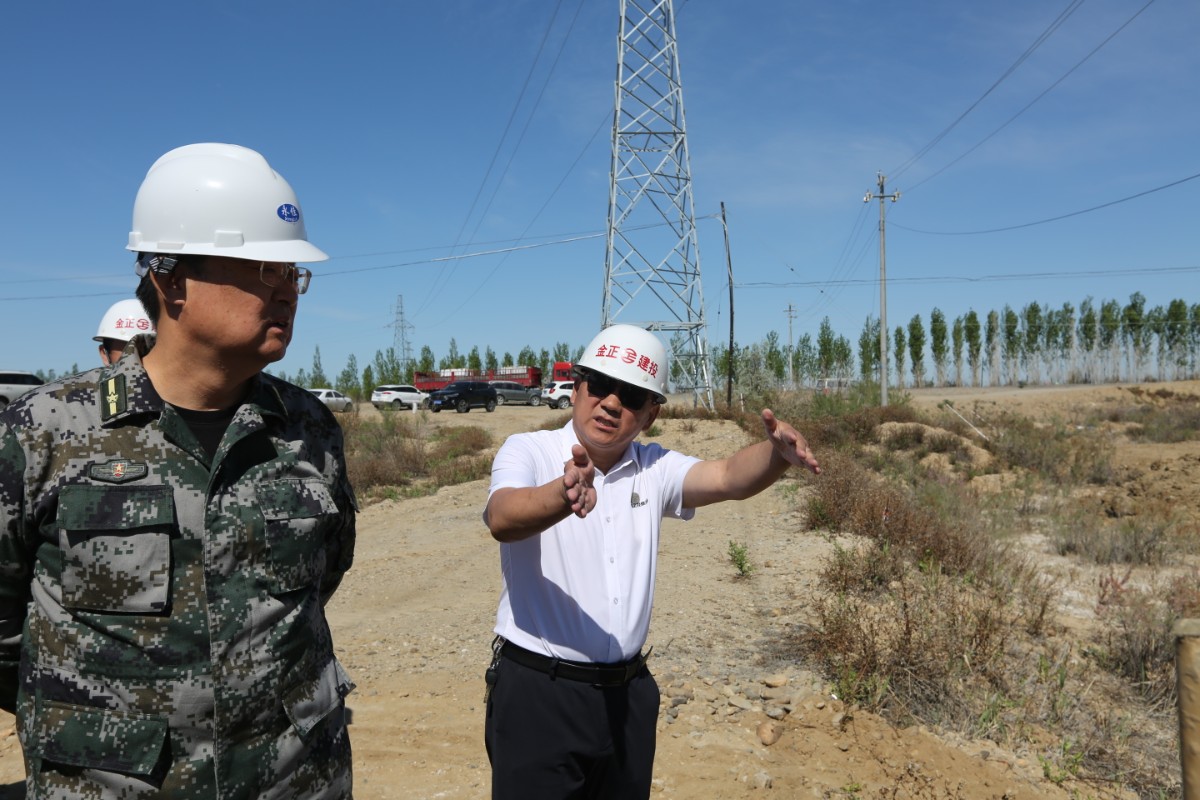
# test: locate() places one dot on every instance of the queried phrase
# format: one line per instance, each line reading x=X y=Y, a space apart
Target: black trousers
x=556 y=738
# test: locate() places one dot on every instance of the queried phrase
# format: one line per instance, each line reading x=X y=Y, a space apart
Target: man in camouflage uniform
x=172 y=526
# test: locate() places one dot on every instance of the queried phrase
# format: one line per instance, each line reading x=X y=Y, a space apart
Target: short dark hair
x=149 y=296
x=145 y=292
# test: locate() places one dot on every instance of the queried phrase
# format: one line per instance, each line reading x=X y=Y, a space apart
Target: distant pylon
x=400 y=339
x=652 y=261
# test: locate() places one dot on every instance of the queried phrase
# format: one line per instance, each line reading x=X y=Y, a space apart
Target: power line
x=1031 y=103
x=1013 y=276
x=1053 y=219
x=124 y=293
x=1071 y=8
x=441 y=282
x=562 y=239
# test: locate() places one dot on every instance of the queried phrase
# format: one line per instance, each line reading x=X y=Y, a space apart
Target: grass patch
x=403 y=455
x=555 y=421
x=929 y=612
x=1146 y=539
x=1159 y=416
x=1054 y=453
x=1137 y=642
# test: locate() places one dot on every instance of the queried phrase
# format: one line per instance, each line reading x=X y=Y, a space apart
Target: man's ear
x=171 y=291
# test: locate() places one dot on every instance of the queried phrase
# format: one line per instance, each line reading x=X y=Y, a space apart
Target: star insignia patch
x=119 y=470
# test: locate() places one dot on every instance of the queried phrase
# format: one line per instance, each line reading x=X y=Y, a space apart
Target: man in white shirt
x=572 y=708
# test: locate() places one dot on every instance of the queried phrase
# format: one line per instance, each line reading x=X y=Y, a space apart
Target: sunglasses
x=631 y=397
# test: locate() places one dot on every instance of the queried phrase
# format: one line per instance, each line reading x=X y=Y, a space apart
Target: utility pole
x=883 y=328
x=729 y=269
x=791 y=314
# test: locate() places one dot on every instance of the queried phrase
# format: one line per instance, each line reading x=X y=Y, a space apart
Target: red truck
x=431 y=381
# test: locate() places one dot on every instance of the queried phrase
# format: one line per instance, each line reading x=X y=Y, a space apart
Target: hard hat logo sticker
x=288 y=213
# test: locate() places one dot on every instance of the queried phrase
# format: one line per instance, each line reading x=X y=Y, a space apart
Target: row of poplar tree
x=1095 y=343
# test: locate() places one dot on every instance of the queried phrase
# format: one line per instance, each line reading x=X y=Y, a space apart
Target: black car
x=462 y=396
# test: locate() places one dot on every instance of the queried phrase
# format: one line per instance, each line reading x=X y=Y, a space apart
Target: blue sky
x=406 y=133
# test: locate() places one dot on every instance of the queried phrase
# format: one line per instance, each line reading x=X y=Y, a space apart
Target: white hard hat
x=630 y=354
x=219 y=200
x=124 y=320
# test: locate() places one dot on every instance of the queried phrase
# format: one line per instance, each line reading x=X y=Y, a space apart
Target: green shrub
x=740 y=559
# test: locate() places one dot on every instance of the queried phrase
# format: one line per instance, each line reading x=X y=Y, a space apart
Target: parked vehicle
x=15 y=384
x=399 y=396
x=513 y=392
x=462 y=396
x=561 y=371
x=557 y=394
x=432 y=381
x=333 y=399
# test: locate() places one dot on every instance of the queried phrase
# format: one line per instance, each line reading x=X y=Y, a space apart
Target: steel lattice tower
x=652 y=261
x=400 y=341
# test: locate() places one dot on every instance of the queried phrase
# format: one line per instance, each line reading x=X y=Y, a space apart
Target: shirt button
x=611 y=560
x=615 y=601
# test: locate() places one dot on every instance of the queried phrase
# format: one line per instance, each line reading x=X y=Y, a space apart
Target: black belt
x=597 y=674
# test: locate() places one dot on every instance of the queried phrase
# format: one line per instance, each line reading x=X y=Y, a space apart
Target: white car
x=557 y=394
x=335 y=400
x=15 y=384
x=399 y=396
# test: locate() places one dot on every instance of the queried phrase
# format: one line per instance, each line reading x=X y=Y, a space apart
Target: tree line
x=388 y=368
x=1096 y=342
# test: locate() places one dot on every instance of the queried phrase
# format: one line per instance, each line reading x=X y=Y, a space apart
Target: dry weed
x=932 y=614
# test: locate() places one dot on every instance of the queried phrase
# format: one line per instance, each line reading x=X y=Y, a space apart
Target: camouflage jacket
x=162 y=625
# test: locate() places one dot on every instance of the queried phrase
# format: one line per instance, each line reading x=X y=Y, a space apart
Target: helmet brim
x=296 y=251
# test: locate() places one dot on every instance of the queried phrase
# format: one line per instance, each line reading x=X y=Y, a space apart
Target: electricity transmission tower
x=652 y=262
x=400 y=341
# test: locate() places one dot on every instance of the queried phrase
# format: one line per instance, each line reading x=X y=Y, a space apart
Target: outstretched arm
x=751 y=469
x=513 y=514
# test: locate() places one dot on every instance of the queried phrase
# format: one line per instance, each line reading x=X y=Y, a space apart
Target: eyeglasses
x=600 y=385
x=273 y=273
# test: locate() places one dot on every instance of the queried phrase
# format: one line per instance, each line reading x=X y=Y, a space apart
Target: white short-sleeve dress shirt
x=583 y=589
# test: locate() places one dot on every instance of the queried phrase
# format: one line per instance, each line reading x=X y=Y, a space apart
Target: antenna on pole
x=883 y=331
x=652 y=261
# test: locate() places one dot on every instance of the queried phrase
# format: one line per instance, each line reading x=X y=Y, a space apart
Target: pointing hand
x=789 y=443
x=578 y=474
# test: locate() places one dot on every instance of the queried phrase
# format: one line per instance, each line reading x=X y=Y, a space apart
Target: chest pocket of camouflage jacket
x=116 y=547
x=299 y=513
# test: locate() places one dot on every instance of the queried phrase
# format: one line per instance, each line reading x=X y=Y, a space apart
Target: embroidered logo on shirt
x=637 y=502
x=119 y=470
